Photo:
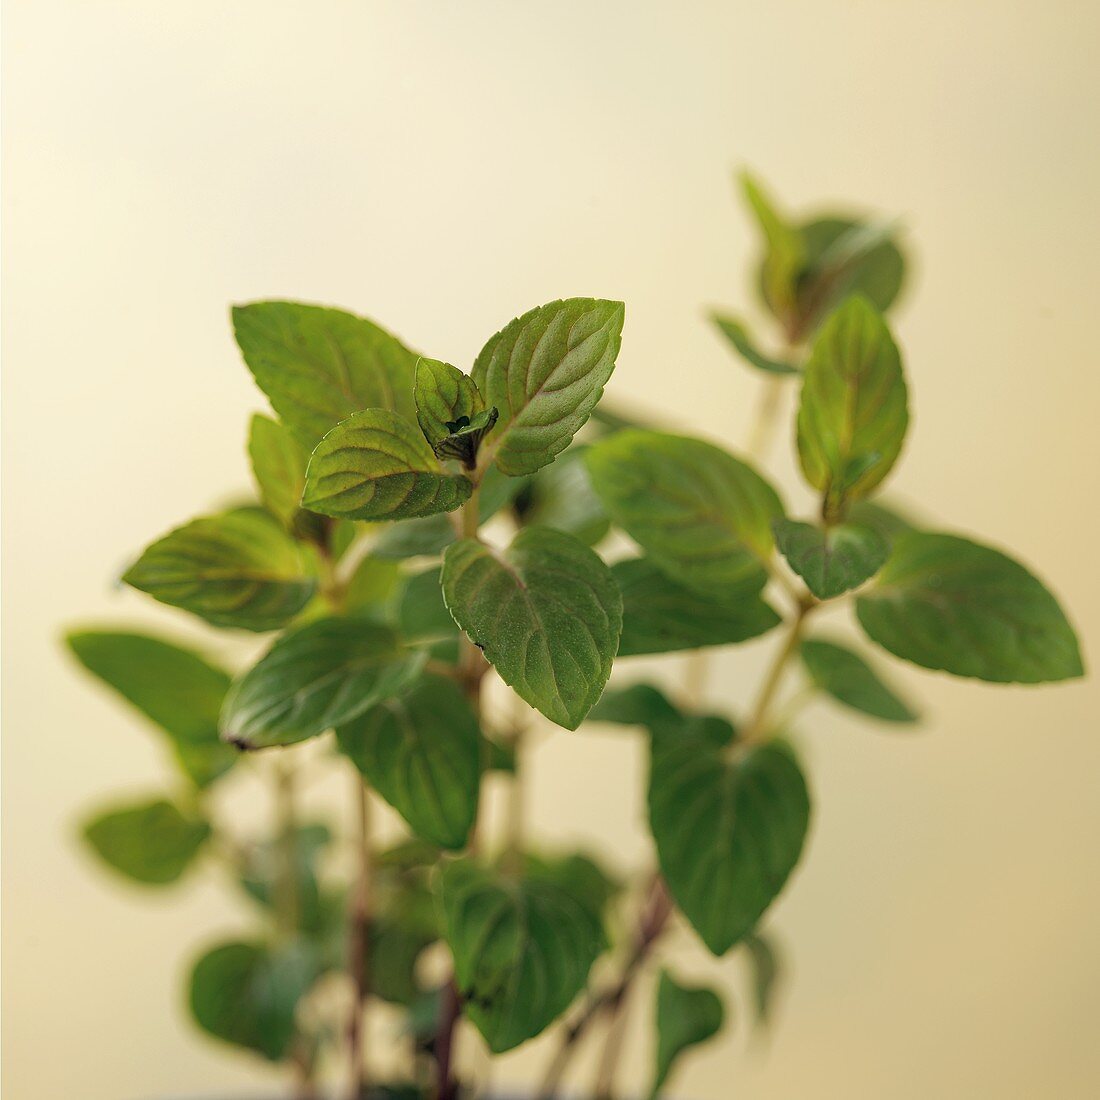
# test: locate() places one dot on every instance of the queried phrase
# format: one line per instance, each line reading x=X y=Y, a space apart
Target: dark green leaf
x=545 y=372
x=831 y=560
x=314 y=679
x=421 y=752
x=850 y=680
x=279 y=467
x=395 y=949
x=236 y=569
x=522 y=949
x=686 y=1016
x=765 y=970
x=174 y=687
x=734 y=331
x=853 y=413
x=247 y=993
x=546 y=612
x=637 y=705
x=318 y=366
x=423 y=616
x=701 y=515
x=661 y=616
x=579 y=875
x=376 y=465
x=149 y=842
x=729 y=829
x=264 y=875
x=947 y=603
x=561 y=496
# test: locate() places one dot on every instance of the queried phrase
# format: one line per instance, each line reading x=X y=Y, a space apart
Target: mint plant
x=421 y=532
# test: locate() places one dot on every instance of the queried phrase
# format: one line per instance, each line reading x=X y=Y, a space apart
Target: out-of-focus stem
x=359 y=945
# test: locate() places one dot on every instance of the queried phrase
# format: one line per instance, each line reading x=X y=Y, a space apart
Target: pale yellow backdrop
x=442 y=166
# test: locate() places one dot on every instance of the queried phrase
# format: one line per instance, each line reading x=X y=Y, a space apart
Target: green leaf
x=765 y=970
x=313 y=679
x=686 y=1017
x=421 y=752
x=247 y=993
x=395 y=949
x=174 y=688
x=587 y=881
x=561 y=496
x=545 y=372
x=889 y=521
x=546 y=612
x=701 y=515
x=522 y=949
x=844 y=256
x=318 y=366
x=845 y=676
x=375 y=465
x=729 y=828
x=427 y=537
x=832 y=560
x=279 y=467
x=661 y=616
x=451 y=412
x=264 y=872
x=372 y=587
x=946 y=603
x=423 y=616
x=149 y=842
x=235 y=569
x=734 y=331
x=853 y=413
x=637 y=705
x=784 y=249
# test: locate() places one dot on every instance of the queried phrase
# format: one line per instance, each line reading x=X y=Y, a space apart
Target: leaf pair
x=729 y=820
x=522 y=947
x=532 y=387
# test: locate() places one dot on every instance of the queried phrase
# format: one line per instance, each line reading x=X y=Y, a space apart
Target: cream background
x=441 y=167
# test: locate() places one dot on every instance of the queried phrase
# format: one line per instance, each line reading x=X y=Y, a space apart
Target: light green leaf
x=765 y=969
x=421 y=751
x=372 y=587
x=889 y=521
x=279 y=467
x=729 y=828
x=853 y=413
x=661 y=616
x=247 y=993
x=546 y=613
x=375 y=465
x=734 y=331
x=831 y=560
x=235 y=569
x=148 y=842
x=451 y=412
x=545 y=372
x=318 y=366
x=946 y=603
x=561 y=496
x=845 y=676
x=784 y=249
x=314 y=679
x=173 y=687
x=686 y=1017
x=701 y=515
x=522 y=949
